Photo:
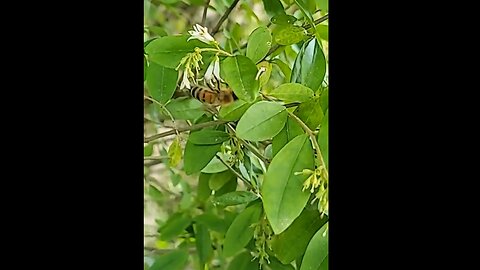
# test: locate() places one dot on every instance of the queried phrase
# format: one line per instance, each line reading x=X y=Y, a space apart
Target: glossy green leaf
x=323 y=139
x=322 y=31
x=241 y=231
x=207 y=137
x=310 y=66
x=185 y=108
x=240 y=72
x=213 y=222
x=324 y=100
x=174 y=153
x=316 y=255
x=292 y=92
x=234 y=198
x=259 y=43
x=291 y=130
x=288 y=34
x=275 y=264
x=310 y=113
x=283 y=19
x=169 y=50
x=235 y=110
x=196 y=157
x=262 y=121
x=283 y=198
x=203 y=244
x=287 y=72
x=292 y=243
x=214 y=166
x=218 y=180
x=203 y=191
x=161 y=82
x=174 y=260
x=273 y=7
x=243 y=261
x=148 y=150
x=174 y=226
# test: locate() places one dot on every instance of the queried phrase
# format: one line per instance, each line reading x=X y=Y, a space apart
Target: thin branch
x=224 y=17
x=235 y=172
x=193 y=127
x=154 y=158
x=204 y=16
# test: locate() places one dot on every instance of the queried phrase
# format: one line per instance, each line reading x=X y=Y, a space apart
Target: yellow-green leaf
x=292 y=92
x=175 y=153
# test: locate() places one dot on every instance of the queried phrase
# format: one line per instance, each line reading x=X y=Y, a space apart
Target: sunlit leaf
x=240 y=72
x=292 y=92
x=175 y=152
x=288 y=34
x=262 y=121
x=259 y=43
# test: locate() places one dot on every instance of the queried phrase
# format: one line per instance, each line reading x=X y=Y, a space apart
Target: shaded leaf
x=262 y=121
x=292 y=92
x=208 y=137
x=174 y=226
x=283 y=198
x=228 y=187
x=324 y=100
x=196 y=157
x=213 y=222
x=203 y=191
x=234 y=198
x=214 y=166
x=161 y=82
x=240 y=72
x=316 y=255
x=259 y=43
x=287 y=72
x=323 y=139
x=273 y=7
x=292 y=243
x=310 y=113
x=218 y=180
x=241 y=231
x=243 y=261
x=283 y=19
x=265 y=76
x=310 y=66
x=203 y=244
x=235 y=110
x=174 y=260
x=291 y=130
x=185 y=108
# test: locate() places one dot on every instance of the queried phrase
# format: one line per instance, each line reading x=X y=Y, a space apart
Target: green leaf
x=198 y=156
x=275 y=264
x=310 y=113
x=241 y=232
x=203 y=243
x=283 y=19
x=234 y=198
x=322 y=31
x=175 y=153
x=214 y=166
x=310 y=66
x=228 y=187
x=324 y=100
x=148 y=150
x=259 y=43
x=154 y=193
x=291 y=130
x=161 y=82
x=292 y=92
x=262 y=121
x=208 y=137
x=322 y=5
x=240 y=72
x=283 y=198
x=203 y=190
x=243 y=261
x=235 y=110
x=304 y=8
x=273 y=7
x=292 y=243
x=287 y=72
x=145 y=66
x=212 y=222
x=218 y=180
x=185 y=108
x=323 y=139
x=174 y=260
x=169 y=50
x=316 y=255
x=288 y=34
x=157 y=30
x=174 y=226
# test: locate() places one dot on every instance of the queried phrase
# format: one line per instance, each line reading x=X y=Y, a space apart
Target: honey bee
x=215 y=97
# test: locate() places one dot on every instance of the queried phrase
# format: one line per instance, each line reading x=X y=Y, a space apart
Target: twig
x=154 y=158
x=235 y=172
x=224 y=17
x=193 y=127
x=204 y=16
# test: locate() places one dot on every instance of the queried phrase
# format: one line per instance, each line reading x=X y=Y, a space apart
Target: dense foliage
x=242 y=184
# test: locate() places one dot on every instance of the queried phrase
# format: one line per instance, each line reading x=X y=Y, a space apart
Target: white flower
x=201 y=33
x=185 y=81
x=260 y=71
x=212 y=75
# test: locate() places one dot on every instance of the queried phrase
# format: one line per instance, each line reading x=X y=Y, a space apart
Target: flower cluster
x=263 y=235
x=317 y=179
